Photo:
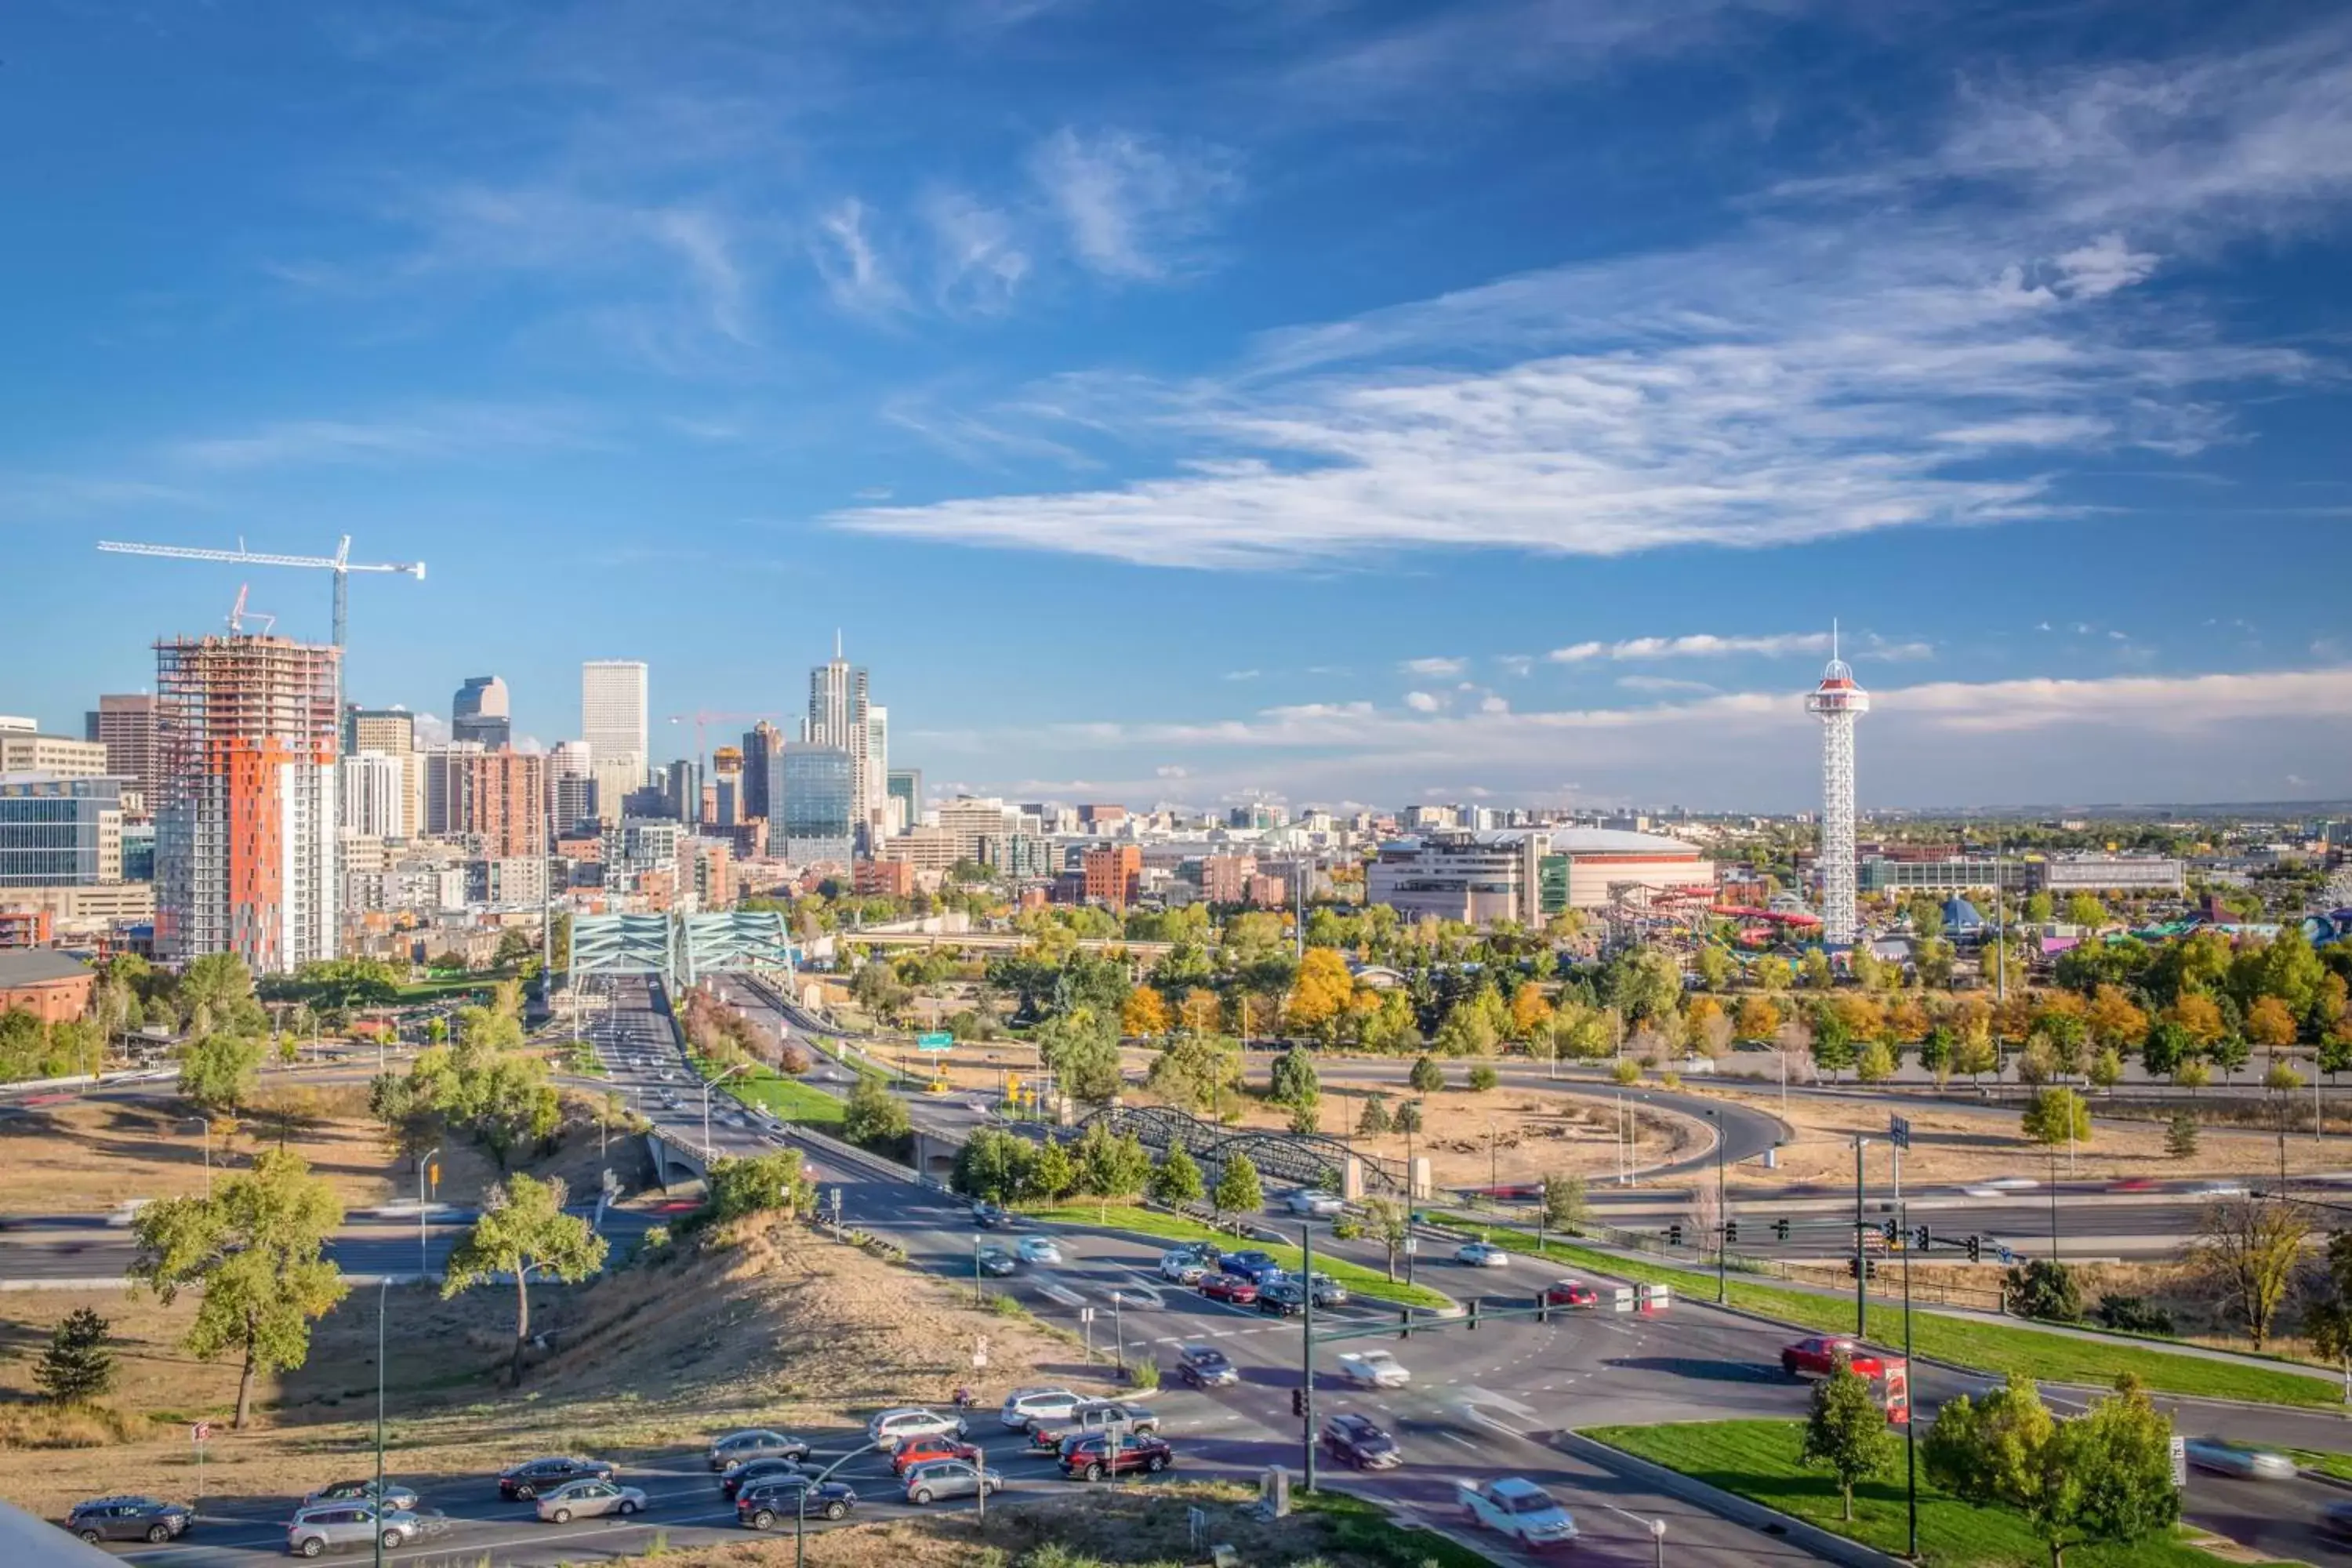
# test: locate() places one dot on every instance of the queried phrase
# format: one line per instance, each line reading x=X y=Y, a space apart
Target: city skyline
x=1439 y=429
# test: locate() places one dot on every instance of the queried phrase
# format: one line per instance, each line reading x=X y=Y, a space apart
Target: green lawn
x=2328 y=1464
x=1757 y=1460
x=1994 y=1348
x=772 y=1091
x=1369 y=1283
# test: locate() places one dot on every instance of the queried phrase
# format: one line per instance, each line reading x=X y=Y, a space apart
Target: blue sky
x=1341 y=402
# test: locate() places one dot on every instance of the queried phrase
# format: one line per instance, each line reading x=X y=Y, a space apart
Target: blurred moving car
x=395 y=1494
x=995 y=1262
x=1205 y=1366
x=1373 y=1369
x=1516 y=1507
x=1358 y=1440
x=1570 y=1293
x=583 y=1499
x=1817 y=1355
x=521 y=1483
x=1039 y=1249
x=1481 y=1254
x=1024 y=1405
x=1315 y=1205
x=2227 y=1458
x=130 y=1519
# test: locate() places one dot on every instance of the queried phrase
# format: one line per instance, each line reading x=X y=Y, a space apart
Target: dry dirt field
x=1135 y=1529
x=1960 y=1146
x=782 y=1327
x=84 y=1155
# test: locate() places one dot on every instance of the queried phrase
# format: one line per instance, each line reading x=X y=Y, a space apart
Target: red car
x=1229 y=1288
x=1819 y=1355
x=923 y=1450
x=1570 y=1293
x=2133 y=1185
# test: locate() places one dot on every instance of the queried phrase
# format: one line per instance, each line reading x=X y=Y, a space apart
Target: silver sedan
x=2229 y=1460
x=584 y=1500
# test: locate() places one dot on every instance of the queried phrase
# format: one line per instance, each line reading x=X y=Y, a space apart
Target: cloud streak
x=1133 y=205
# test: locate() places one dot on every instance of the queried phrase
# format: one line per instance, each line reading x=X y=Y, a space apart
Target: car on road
x=2133 y=1185
x=1326 y=1291
x=393 y=1495
x=2220 y=1190
x=1039 y=1249
x=949 y=1478
x=1205 y=1366
x=1092 y=1458
x=1024 y=1405
x=1231 y=1289
x=1314 y=1205
x=2013 y=1183
x=130 y=1519
x=1570 y=1293
x=751 y=1472
x=312 y=1531
x=757 y=1443
x=1817 y=1355
x=1282 y=1299
x=2228 y=1458
x=1090 y=1419
x=2336 y=1519
x=916 y=1451
x=995 y=1262
x=987 y=1216
x=1481 y=1254
x=523 y=1482
x=1373 y=1369
x=785 y=1498
x=1516 y=1507
x=1252 y=1266
x=1183 y=1266
x=1358 y=1440
x=892 y=1427
x=583 y=1499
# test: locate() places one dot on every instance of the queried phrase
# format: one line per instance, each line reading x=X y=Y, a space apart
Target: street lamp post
x=1494 y=1161
x=423 y=1160
x=709 y=1084
x=1860 y=1256
x=208 y=1150
x=381 y=1300
x=1722 y=1213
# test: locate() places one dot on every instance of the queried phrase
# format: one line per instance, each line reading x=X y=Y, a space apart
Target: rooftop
x=37 y=966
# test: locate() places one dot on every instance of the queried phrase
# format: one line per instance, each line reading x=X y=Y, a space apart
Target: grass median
x=1996 y=1348
x=1369 y=1283
x=1757 y=1460
x=773 y=1091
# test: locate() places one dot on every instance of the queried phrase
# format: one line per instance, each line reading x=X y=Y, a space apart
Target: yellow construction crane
x=340 y=564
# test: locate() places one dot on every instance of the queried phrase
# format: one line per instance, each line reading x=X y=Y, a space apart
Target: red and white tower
x=1836 y=702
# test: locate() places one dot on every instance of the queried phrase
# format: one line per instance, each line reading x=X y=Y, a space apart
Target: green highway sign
x=938 y=1042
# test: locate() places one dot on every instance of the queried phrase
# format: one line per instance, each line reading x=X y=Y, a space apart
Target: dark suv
x=130 y=1519
x=1205 y=1366
x=1091 y=1458
x=1357 y=1440
x=1282 y=1299
x=773 y=1498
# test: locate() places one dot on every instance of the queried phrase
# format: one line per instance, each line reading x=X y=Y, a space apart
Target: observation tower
x=1835 y=702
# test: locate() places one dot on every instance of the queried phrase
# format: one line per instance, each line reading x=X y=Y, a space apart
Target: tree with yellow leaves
x=1144 y=1014
x=1529 y=1013
x=1200 y=1012
x=1759 y=1019
x=1320 y=993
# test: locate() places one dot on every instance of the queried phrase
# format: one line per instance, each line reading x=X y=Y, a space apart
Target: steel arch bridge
x=679 y=948
x=1301 y=1159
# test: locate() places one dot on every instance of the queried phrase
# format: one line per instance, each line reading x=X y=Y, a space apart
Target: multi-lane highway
x=1481 y=1404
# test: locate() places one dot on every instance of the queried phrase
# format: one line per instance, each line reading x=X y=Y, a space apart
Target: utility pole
x=1722 y=1215
x=1307 y=1353
x=1860 y=1256
x=1910 y=1405
x=383 y=1285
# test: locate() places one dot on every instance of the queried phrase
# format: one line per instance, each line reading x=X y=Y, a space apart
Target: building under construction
x=245 y=828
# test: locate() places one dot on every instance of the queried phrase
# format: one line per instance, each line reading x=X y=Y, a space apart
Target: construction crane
x=340 y=564
x=702 y=723
x=238 y=615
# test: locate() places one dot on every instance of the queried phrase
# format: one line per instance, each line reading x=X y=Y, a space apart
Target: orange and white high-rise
x=246 y=733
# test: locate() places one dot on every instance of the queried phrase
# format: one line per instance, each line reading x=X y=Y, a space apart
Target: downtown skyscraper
x=612 y=720
x=841 y=717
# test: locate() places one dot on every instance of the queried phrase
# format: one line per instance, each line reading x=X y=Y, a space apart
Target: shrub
x=2133 y=1315
x=2043 y=1288
x=1144 y=1375
x=1483 y=1078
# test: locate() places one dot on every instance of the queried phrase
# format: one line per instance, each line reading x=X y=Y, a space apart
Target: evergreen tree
x=78 y=1367
x=1427 y=1077
x=2180 y=1135
x=1375 y=1118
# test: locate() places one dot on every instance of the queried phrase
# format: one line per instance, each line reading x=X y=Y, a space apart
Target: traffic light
x=1975 y=1249
x=1731 y=1233
x=1870 y=1268
x=1674 y=1234
x=1920 y=1239
x=1779 y=1230
x=1853 y=1268
x=1298 y=1403
x=1888 y=1231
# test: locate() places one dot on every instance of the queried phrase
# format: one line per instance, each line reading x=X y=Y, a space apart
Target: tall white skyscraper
x=840 y=716
x=374 y=795
x=612 y=720
x=876 y=802
x=1837 y=701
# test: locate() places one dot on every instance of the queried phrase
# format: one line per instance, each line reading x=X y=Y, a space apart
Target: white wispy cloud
x=1845 y=364
x=981 y=266
x=1133 y=205
x=851 y=268
x=1424 y=701
x=446 y=431
x=1707 y=644
x=1434 y=666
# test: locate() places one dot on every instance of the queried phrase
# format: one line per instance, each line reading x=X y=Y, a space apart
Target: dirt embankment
x=778 y=1326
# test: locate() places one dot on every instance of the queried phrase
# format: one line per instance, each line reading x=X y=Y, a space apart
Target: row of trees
x=2101 y=1478
x=480 y=1086
x=1000 y=1168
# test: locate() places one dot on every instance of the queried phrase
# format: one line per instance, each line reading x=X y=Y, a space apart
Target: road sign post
x=2179 y=1461
x=939 y=1041
x=196 y=1434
